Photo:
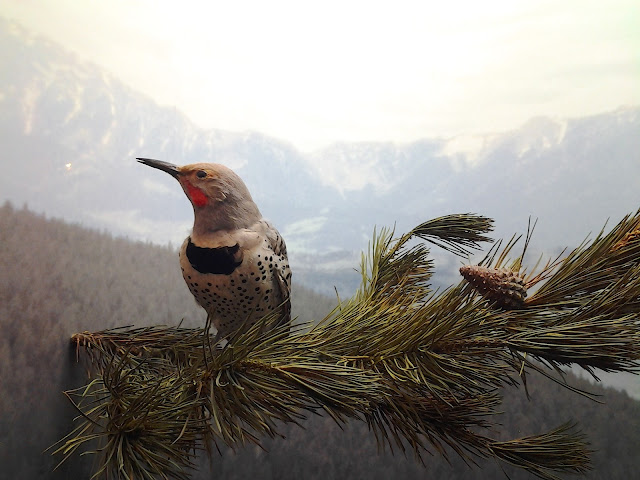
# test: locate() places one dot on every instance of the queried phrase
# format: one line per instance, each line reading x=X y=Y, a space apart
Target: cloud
x=317 y=73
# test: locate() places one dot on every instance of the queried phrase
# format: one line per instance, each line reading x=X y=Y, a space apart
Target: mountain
x=70 y=132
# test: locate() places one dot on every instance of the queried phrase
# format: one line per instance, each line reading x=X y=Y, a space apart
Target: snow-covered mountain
x=70 y=132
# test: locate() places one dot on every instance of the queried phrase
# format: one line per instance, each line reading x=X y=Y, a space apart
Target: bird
x=234 y=262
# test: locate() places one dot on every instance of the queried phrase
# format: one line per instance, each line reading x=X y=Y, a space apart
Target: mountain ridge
x=71 y=131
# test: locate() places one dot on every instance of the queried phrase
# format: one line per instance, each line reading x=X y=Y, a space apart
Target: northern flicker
x=234 y=262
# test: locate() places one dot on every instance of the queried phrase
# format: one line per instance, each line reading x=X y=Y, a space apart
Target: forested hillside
x=57 y=279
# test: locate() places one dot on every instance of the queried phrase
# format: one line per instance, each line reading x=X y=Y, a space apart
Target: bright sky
x=313 y=73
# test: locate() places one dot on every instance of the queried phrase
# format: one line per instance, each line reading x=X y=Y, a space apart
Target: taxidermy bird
x=234 y=262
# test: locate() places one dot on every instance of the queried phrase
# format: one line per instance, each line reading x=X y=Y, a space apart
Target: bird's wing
x=283 y=275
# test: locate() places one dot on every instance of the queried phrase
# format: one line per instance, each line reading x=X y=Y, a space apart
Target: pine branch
x=592 y=266
x=560 y=450
x=455 y=233
x=422 y=368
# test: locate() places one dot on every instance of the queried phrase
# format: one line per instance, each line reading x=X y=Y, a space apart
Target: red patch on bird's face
x=196 y=195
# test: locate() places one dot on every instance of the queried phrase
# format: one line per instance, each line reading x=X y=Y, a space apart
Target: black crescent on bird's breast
x=220 y=260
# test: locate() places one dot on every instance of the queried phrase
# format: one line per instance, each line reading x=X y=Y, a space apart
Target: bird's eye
x=201 y=174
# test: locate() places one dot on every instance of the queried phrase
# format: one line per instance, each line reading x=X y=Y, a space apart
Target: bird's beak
x=170 y=168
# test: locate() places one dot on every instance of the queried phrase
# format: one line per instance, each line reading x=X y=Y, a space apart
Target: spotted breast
x=238 y=282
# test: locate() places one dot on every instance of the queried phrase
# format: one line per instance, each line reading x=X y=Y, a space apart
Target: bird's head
x=219 y=197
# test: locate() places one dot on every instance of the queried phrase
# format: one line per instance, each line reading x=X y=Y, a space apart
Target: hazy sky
x=313 y=73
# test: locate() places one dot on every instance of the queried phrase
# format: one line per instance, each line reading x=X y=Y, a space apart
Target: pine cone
x=501 y=285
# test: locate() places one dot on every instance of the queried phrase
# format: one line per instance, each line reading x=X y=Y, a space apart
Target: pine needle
x=456 y=233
